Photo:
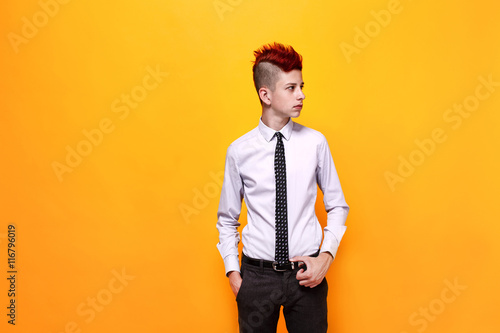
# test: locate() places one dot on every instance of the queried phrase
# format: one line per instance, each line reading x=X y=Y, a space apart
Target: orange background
x=142 y=201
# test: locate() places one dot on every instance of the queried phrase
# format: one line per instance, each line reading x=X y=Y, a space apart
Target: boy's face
x=286 y=99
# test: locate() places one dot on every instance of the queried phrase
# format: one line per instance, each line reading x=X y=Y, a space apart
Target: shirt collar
x=268 y=133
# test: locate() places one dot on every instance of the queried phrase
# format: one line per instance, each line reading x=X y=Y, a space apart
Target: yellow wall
x=149 y=94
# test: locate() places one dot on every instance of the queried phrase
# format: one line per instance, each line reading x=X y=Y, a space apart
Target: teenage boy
x=276 y=168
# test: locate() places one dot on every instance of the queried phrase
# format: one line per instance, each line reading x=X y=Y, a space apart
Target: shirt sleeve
x=333 y=198
x=229 y=211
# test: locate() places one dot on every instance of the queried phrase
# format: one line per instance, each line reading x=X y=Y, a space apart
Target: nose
x=301 y=95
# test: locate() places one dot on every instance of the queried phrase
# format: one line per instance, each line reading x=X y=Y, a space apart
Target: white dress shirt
x=249 y=175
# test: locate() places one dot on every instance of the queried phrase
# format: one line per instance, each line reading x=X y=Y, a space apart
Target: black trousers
x=263 y=292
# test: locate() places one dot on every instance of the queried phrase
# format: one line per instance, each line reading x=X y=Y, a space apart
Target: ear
x=265 y=95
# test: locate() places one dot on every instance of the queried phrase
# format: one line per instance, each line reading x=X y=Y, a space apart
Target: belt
x=290 y=266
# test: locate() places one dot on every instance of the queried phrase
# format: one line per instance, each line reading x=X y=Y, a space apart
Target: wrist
x=326 y=255
x=232 y=273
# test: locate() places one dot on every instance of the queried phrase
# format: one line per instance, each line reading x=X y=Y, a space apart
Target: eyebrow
x=293 y=84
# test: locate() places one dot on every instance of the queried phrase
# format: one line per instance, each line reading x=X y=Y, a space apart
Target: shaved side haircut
x=270 y=61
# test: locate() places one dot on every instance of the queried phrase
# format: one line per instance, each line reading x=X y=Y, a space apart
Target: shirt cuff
x=231 y=263
x=331 y=244
x=330 y=249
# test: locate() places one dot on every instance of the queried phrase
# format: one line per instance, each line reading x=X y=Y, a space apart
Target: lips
x=298 y=106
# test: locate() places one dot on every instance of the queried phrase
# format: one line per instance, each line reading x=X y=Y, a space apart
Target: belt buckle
x=275 y=264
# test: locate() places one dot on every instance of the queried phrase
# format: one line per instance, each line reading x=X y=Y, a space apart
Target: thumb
x=299 y=258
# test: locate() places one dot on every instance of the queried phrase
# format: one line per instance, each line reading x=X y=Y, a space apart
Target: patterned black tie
x=281 y=254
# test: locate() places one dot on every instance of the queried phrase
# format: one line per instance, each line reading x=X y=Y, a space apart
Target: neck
x=276 y=123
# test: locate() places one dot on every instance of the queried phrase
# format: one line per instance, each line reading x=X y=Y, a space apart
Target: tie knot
x=279 y=136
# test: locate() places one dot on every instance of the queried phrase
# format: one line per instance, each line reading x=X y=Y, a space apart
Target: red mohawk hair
x=282 y=56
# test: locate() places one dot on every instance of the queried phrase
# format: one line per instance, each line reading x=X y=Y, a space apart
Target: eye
x=290 y=88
